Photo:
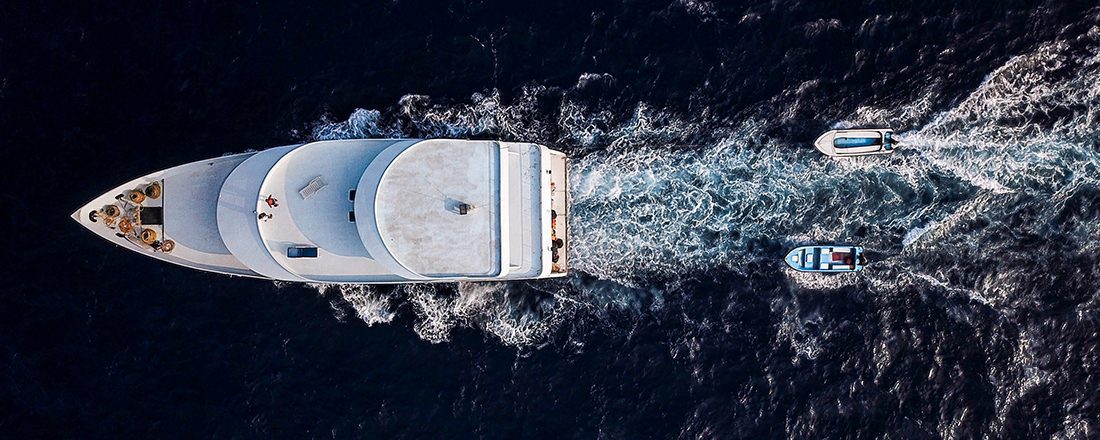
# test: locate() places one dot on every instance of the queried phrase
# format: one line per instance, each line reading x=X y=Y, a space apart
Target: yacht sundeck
x=352 y=211
x=856 y=142
x=832 y=258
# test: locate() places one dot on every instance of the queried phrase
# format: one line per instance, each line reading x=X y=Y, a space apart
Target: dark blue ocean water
x=689 y=125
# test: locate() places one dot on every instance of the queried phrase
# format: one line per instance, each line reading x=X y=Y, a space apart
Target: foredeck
x=190 y=204
x=188 y=217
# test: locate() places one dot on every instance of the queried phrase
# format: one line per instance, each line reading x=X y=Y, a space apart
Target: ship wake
x=659 y=198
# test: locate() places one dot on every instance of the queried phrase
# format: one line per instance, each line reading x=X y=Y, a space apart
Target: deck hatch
x=152 y=215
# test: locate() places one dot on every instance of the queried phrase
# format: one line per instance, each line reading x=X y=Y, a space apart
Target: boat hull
x=186 y=215
x=826 y=259
x=856 y=142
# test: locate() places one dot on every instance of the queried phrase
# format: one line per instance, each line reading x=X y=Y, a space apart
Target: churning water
x=688 y=124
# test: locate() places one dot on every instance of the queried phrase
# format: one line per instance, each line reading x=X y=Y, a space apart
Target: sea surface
x=689 y=125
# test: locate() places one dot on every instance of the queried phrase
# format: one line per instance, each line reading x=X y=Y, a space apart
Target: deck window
x=301 y=252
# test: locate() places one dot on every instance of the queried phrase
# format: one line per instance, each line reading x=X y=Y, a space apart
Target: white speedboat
x=832 y=258
x=856 y=142
x=352 y=211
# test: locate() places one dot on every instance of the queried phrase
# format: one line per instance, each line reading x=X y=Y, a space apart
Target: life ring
x=153 y=190
x=167 y=246
x=137 y=196
x=125 y=227
x=148 y=236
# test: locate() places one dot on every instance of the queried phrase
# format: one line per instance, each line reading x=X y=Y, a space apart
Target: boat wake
x=658 y=197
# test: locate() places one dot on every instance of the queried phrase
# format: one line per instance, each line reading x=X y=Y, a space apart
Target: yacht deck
x=189 y=217
x=313 y=190
x=366 y=211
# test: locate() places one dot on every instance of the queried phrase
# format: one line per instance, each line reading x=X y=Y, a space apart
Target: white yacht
x=856 y=142
x=352 y=211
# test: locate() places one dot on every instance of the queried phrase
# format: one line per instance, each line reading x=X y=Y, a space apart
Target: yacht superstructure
x=352 y=211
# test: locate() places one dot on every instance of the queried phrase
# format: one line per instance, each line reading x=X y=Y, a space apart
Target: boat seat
x=314 y=185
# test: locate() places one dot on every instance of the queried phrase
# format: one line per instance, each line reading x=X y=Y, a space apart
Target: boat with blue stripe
x=830 y=258
x=856 y=142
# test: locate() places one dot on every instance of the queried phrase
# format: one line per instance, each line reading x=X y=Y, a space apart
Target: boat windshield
x=853 y=142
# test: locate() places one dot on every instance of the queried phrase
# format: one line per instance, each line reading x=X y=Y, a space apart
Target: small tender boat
x=856 y=142
x=832 y=258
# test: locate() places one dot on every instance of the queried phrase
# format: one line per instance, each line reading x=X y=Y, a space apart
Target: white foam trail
x=646 y=203
x=706 y=11
x=646 y=207
x=370 y=305
x=937 y=229
x=821 y=281
x=1026 y=137
x=486 y=306
x=418 y=116
x=1026 y=127
x=651 y=210
x=914 y=234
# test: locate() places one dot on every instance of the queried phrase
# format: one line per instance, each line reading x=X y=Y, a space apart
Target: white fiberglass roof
x=418 y=208
x=236 y=212
x=378 y=210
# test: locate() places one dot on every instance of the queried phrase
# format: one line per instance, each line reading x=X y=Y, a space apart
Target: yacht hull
x=197 y=215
